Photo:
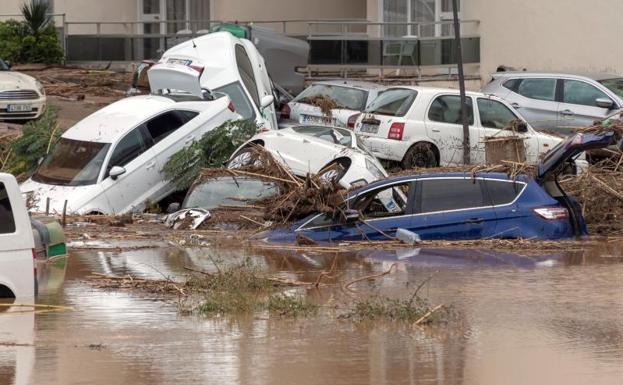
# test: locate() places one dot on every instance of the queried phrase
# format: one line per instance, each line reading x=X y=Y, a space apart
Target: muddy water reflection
x=554 y=318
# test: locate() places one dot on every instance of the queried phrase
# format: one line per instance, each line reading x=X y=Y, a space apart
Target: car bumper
x=37 y=108
x=384 y=148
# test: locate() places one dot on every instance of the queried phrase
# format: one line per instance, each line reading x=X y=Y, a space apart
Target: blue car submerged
x=458 y=206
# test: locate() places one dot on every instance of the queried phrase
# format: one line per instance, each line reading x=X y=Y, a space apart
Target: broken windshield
x=393 y=102
x=72 y=163
x=229 y=191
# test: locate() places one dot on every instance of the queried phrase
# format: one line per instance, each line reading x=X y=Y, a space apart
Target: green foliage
x=407 y=310
x=36 y=14
x=37 y=139
x=291 y=306
x=212 y=150
x=34 y=40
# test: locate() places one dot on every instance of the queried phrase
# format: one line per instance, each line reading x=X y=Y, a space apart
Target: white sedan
x=333 y=153
x=22 y=97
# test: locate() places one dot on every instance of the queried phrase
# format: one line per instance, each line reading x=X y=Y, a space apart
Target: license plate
x=318 y=120
x=369 y=128
x=19 y=108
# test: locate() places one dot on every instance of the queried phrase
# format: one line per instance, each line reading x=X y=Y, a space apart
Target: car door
x=381 y=212
x=578 y=106
x=452 y=208
x=445 y=128
x=535 y=99
x=495 y=119
x=130 y=190
x=503 y=195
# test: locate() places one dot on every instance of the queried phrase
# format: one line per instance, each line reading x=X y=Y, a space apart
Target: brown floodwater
x=553 y=318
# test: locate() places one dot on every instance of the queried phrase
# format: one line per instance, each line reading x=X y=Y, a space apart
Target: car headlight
x=374 y=170
x=40 y=88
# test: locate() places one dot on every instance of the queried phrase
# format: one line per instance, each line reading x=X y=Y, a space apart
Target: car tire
x=420 y=155
x=334 y=171
x=244 y=158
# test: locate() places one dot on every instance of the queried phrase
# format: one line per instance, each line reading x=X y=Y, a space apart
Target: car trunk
x=557 y=160
x=173 y=76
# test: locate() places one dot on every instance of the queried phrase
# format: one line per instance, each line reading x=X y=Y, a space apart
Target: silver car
x=557 y=101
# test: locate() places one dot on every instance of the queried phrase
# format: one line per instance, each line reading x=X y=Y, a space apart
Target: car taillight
x=552 y=213
x=231 y=107
x=263 y=129
x=395 y=131
x=198 y=68
x=285 y=111
x=352 y=119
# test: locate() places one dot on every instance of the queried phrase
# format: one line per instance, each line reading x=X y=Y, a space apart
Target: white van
x=111 y=162
x=17 y=245
x=232 y=66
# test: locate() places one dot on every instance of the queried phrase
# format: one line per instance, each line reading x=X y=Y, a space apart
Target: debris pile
x=325 y=103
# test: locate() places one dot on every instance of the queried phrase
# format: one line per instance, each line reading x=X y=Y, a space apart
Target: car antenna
x=193 y=41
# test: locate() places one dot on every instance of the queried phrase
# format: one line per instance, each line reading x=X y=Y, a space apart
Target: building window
x=423 y=12
x=50 y=4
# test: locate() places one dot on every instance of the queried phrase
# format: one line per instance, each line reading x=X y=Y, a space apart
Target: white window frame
x=439 y=15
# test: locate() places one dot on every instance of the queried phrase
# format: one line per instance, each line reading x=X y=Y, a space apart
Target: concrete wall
x=560 y=35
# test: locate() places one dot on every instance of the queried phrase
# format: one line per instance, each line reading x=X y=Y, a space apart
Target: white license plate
x=19 y=108
x=318 y=120
x=370 y=128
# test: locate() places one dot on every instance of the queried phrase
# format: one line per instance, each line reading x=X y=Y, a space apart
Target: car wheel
x=421 y=155
x=245 y=158
x=333 y=172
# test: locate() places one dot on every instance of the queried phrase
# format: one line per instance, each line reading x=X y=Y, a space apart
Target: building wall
x=559 y=35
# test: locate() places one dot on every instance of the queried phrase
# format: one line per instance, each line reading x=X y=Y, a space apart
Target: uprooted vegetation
x=324 y=102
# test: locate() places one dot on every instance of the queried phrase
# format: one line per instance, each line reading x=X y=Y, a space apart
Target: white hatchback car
x=231 y=66
x=111 y=161
x=421 y=127
x=22 y=97
x=351 y=97
x=334 y=153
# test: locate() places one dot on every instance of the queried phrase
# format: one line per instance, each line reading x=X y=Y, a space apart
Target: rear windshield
x=7 y=223
x=344 y=97
x=229 y=191
x=72 y=163
x=393 y=102
x=615 y=85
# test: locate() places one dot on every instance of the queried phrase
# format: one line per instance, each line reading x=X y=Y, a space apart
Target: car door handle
x=150 y=165
x=515 y=105
x=435 y=130
x=567 y=112
x=475 y=220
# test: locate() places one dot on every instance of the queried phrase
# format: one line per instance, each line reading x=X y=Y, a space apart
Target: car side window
x=577 y=92
x=163 y=125
x=389 y=202
x=129 y=148
x=7 y=222
x=512 y=84
x=447 y=109
x=539 y=89
x=449 y=194
x=503 y=192
x=494 y=114
x=245 y=68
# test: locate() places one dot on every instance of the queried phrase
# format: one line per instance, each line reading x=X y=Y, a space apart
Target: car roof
x=115 y=120
x=437 y=90
x=593 y=76
x=359 y=84
x=427 y=175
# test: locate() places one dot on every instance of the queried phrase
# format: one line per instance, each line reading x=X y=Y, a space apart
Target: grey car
x=557 y=101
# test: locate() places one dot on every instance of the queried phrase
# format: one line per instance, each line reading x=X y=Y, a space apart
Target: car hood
x=554 y=161
x=173 y=76
x=10 y=80
x=76 y=196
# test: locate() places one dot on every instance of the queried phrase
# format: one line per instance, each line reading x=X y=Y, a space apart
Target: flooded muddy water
x=553 y=318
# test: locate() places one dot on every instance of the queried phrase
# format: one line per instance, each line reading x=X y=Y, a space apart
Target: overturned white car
x=111 y=161
x=331 y=152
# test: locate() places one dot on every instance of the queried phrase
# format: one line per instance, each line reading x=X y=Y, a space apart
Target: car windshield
x=393 y=102
x=615 y=85
x=239 y=98
x=228 y=191
x=330 y=134
x=3 y=66
x=72 y=163
x=343 y=97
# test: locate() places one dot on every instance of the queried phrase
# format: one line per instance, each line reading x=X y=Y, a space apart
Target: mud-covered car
x=333 y=153
x=458 y=206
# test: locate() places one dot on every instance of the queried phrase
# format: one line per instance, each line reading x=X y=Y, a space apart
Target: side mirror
x=116 y=171
x=350 y=215
x=522 y=126
x=604 y=103
x=266 y=101
x=173 y=207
